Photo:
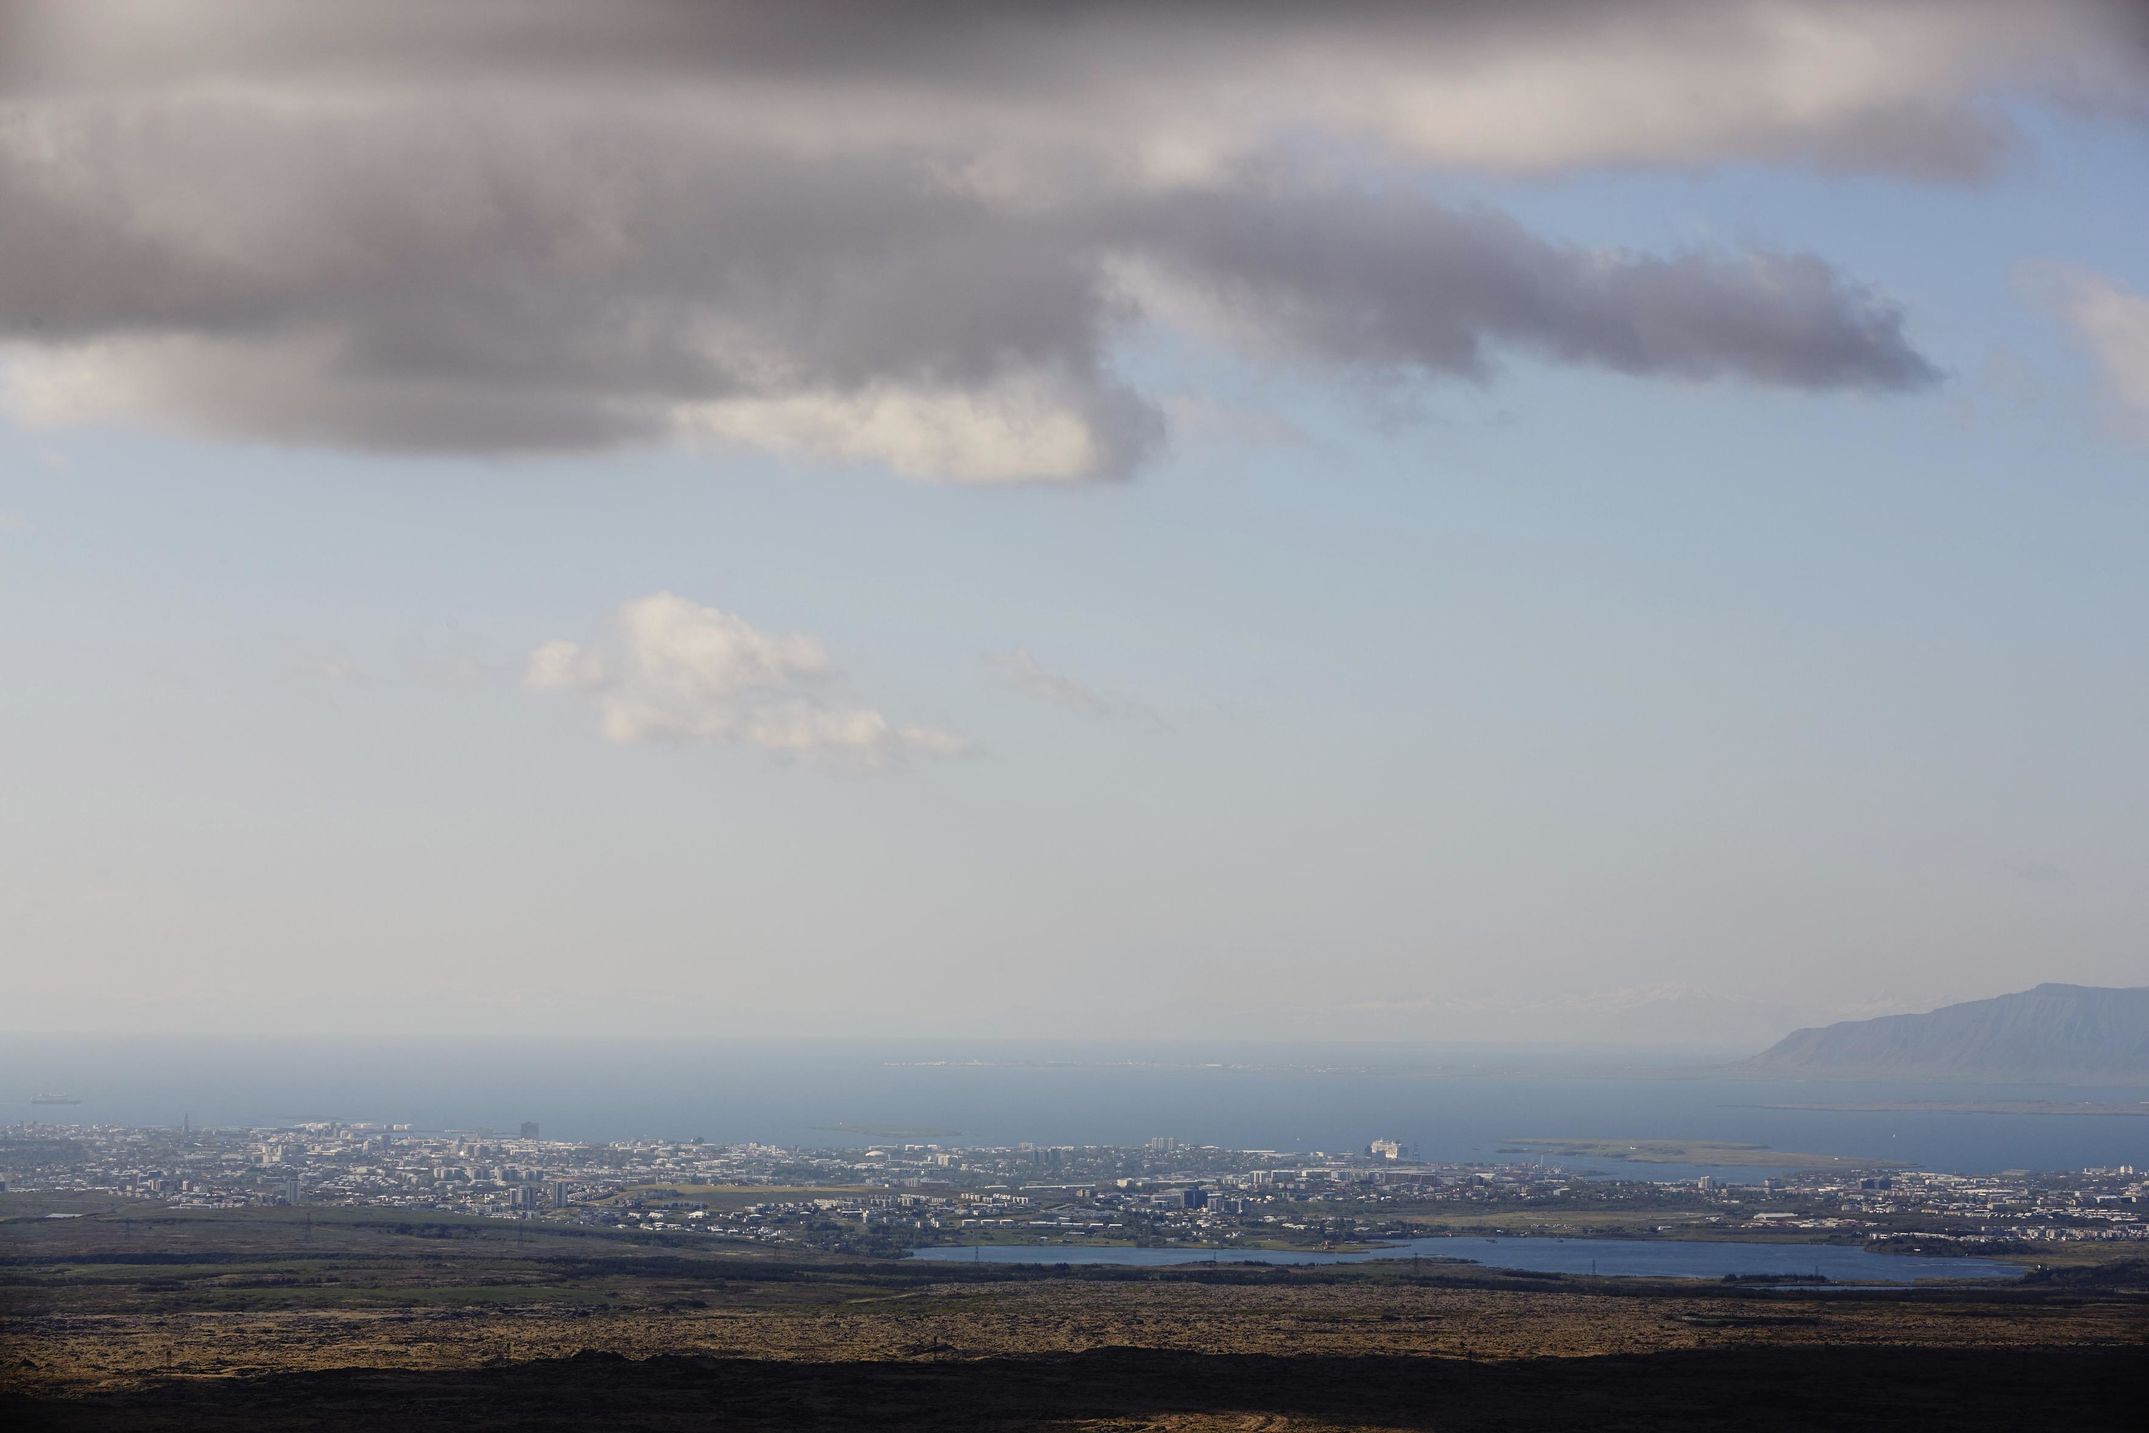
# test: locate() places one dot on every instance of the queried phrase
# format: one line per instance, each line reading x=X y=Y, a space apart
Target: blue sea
x=1446 y=1104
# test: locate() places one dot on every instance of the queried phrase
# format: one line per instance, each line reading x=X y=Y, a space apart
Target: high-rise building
x=529 y=1129
x=289 y=1190
x=561 y=1191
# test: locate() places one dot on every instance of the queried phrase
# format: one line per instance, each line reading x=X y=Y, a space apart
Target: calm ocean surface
x=1623 y=1258
x=1446 y=1104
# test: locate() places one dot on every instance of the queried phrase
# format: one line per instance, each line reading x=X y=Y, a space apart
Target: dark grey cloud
x=452 y=280
x=913 y=233
x=1404 y=283
x=1864 y=84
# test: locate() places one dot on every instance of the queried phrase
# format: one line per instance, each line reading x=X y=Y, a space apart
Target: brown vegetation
x=200 y=1321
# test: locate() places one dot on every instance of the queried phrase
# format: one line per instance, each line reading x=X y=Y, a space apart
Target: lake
x=1626 y=1258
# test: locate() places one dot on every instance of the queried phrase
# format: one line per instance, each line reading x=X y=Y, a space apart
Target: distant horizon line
x=1345 y=1042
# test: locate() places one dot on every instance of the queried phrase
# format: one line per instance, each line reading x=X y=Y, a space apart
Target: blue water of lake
x=1625 y=1258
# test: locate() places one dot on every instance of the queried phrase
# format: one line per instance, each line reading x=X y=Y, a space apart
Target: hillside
x=2053 y=1032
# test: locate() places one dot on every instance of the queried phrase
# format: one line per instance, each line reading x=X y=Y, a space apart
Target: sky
x=1609 y=524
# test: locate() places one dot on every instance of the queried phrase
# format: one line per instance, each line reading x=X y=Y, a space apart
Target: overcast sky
x=1593 y=522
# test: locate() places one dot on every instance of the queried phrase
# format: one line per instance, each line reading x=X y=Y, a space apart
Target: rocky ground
x=122 y=1322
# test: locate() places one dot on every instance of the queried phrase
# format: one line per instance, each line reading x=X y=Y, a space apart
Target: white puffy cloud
x=2112 y=323
x=1014 y=430
x=674 y=671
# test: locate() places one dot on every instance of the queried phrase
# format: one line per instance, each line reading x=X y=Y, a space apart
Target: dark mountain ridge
x=2081 y=1034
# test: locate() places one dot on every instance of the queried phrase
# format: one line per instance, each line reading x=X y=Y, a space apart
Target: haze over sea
x=1448 y=1104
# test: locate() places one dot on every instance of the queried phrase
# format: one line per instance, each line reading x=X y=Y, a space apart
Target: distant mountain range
x=2066 y=1033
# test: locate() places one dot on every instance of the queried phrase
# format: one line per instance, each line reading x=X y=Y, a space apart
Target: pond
x=1640 y=1258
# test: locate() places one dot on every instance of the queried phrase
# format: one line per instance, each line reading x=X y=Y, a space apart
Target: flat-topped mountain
x=2069 y=1033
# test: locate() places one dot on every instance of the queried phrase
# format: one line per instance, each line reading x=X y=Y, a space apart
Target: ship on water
x=52 y=1099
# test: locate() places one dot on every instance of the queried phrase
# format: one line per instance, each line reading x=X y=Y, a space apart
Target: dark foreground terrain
x=1751 y=1388
x=128 y=1318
